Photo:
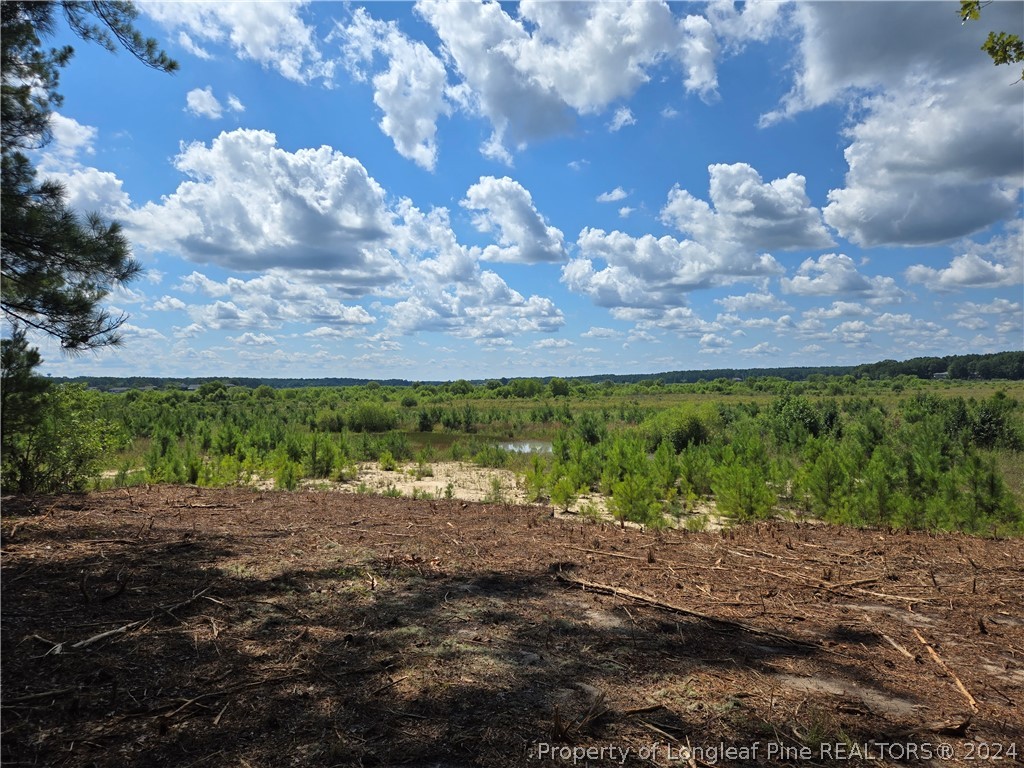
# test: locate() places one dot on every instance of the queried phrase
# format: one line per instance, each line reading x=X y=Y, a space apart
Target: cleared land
x=188 y=627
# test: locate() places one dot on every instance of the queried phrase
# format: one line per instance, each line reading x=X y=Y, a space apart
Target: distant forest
x=1001 y=365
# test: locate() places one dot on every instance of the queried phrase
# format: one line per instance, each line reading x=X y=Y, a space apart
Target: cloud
x=653 y=272
x=593 y=54
x=748 y=213
x=487 y=310
x=410 y=93
x=271 y=34
x=930 y=164
x=623 y=116
x=505 y=206
x=839 y=309
x=966 y=271
x=478 y=40
x=852 y=332
x=270 y=301
x=202 y=103
x=250 y=205
x=610 y=197
x=677 y=321
x=699 y=51
x=597 y=332
x=625 y=211
x=753 y=302
x=253 y=339
x=189 y=45
x=445 y=290
x=1005 y=313
x=550 y=343
x=325 y=332
x=758 y=20
x=727 y=245
x=937 y=144
x=528 y=75
x=168 y=304
x=994 y=264
x=713 y=343
x=234 y=104
x=835 y=274
x=70 y=137
x=87 y=189
x=762 y=350
x=91 y=190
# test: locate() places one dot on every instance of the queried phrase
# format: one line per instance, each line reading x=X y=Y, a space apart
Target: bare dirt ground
x=184 y=627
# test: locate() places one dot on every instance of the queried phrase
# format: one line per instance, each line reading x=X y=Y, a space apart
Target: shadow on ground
x=186 y=628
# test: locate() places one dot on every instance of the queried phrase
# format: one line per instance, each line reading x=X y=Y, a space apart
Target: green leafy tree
x=57 y=266
x=1002 y=47
x=559 y=387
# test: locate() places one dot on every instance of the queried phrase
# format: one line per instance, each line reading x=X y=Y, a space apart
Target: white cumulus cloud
x=748 y=213
x=610 y=197
x=504 y=206
x=410 y=92
x=272 y=34
x=994 y=264
x=937 y=144
x=202 y=103
x=251 y=205
x=836 y=274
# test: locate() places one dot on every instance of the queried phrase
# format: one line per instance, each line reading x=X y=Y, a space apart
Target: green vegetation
x=897 y=452
x=53 y=438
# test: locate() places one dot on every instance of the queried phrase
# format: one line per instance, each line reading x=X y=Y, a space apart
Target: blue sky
x=442 y=190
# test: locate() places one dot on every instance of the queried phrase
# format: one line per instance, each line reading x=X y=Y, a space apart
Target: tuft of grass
x=696 y=523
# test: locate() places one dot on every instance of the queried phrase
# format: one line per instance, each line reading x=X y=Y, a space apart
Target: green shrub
x=63 y=448
x=370 y=416
x=287 y=476
x=564 y=493
x=741 y=489
x=387 y=462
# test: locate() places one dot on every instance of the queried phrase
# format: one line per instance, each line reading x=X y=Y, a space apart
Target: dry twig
x=938 y=660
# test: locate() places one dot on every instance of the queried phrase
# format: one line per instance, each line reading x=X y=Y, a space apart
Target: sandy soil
x=186 y=627
x=468 y=482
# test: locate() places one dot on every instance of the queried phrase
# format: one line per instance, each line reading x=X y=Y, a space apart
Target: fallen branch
x=898 y=647
x=837 y=588
x=620 y=592
x=384 y=533
x=231 y=689
x=938 y=660
x=602 y=552
x=34 y=696
x=59 y=647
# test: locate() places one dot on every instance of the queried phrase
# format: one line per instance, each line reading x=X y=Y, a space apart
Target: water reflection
x=527 y=446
